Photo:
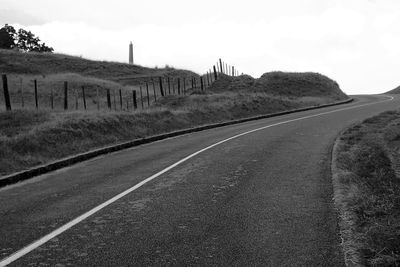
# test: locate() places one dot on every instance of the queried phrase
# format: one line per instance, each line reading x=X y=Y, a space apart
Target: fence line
x=93 y=97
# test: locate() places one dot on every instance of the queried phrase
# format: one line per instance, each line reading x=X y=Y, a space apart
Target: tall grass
x=368 y=191
x=30 y=138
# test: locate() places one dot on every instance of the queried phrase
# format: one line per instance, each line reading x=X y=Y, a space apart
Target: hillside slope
x=31 y=136
x=14 y=62
x=394 y=91
x=289 y=84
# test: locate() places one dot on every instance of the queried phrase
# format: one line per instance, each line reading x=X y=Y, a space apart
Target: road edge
x=345 y=218
x=68 y=161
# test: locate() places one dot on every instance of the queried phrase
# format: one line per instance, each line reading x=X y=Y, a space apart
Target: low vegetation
x=367 y=190
x=39 y=64
x=30 y=137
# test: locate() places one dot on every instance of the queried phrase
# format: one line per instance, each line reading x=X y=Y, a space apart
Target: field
x=367 y=190
x=30 y=136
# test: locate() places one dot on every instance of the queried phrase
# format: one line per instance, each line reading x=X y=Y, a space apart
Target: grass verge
x=32 y=138
x=367 y=191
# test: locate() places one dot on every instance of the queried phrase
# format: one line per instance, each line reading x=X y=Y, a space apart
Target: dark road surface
x=262 y=199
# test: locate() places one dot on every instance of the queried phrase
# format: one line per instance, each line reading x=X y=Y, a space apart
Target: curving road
x=256 y=194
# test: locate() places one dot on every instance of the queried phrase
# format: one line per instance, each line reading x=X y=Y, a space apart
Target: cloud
x=353 y=41
x=13 y=16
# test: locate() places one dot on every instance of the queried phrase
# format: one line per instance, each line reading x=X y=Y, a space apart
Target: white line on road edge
x=20 y=253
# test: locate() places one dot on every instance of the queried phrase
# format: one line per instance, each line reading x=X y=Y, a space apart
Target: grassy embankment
x=367 y=190
x=51 y=70
x=29 y=138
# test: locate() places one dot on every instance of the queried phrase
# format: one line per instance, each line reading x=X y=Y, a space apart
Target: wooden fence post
x=141 y=94
x=179 y=86
x=184 y=86
x=134 y=99
x=169 y=86
x=220 y=64
x=6 y=92
x=108 y=99
x=148 y=95
x=233 y=71
x=36 y=94
x=161 y=86
x=215 y=74
x=201 y=83
x=127 y=101
x=51 y=98
x=115 y=101
x=65 y=95
x=154 y=90
x=120 y=98
x=84 y=97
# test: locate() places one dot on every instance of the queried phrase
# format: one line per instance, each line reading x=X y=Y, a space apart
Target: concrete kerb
x=68 y=161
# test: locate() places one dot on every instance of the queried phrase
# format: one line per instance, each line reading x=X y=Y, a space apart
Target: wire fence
x=47 y=93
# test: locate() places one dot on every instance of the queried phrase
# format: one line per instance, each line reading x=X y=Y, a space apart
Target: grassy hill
x=30 y=137
x=15 y=62
x=394 y=91
x=289 y=84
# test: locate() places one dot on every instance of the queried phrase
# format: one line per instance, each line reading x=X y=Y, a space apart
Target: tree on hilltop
x=24 y=40
x=7 y=37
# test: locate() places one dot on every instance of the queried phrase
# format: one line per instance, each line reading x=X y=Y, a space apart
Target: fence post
x=184 y=86
x=120 y=98
x=161 y=87
x=76 y=99
x=179 y=86
x=65 y=95
x=108 y=99
x=134 y=99
x=233 y=71
x=148 y=95
x=215 y=74
x=154 y=90
x=201 y=83
x=36 y=94
x=169 y=86
x=6 y=93
x=141 y=94
x=84 y=97
x=220 y=64
x=195 y=82
x=115 y=101
x=51 y=98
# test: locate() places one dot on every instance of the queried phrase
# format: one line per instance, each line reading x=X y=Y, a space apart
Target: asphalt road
x=261 y=199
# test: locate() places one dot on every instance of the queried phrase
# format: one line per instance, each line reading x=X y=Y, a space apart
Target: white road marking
x=20 y=253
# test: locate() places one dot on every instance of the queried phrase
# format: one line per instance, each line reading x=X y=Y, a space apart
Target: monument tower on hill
x=131 y=53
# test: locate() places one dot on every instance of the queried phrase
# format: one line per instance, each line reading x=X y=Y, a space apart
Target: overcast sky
x=355 y=42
